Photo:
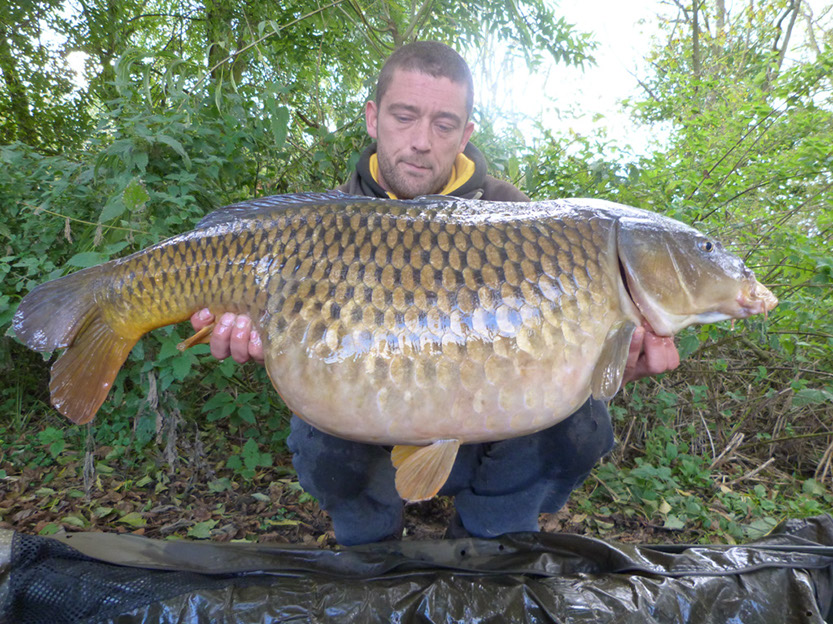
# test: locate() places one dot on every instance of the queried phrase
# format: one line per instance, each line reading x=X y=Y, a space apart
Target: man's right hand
x=232 y=336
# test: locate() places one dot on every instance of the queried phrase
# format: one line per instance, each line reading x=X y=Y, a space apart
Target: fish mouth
x=755 y=298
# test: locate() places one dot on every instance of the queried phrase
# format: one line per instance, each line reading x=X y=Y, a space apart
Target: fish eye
x=706 y=246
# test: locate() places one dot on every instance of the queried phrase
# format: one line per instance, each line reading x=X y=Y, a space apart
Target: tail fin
x=50 y=316
x=84 y=374
x=64 y=313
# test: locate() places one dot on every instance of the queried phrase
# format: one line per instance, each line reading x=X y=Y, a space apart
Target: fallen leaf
x=134 y=519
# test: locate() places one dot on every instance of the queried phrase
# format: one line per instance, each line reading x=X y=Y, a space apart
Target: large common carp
x=424 y=324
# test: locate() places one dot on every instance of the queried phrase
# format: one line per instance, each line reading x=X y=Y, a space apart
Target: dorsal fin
x=272 y=204
x=438 y=198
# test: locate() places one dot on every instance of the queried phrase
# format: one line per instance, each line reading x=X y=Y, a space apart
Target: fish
x=422 y=324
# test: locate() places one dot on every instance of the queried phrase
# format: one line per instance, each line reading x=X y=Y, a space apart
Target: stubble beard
x=405 y=187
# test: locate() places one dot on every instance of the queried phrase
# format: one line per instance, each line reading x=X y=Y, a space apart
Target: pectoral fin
x=422 y=470
x=610 y=367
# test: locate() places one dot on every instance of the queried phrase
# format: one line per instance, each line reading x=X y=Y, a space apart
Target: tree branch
x=275 y=31
x=796 y=4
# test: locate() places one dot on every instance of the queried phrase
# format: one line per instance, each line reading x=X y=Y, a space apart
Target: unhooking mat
x=99 y=577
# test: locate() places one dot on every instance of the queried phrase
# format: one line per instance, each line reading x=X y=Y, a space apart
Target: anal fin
x=422 y=471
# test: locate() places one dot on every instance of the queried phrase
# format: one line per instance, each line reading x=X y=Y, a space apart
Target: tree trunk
x=720 y=8
x=793 y=10
x=695 y=38
x=218 y=31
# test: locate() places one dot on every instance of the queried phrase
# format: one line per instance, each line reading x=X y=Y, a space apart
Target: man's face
x=420 y=126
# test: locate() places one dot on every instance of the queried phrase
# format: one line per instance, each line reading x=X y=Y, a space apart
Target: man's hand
x=650 y=355
x=232 y=336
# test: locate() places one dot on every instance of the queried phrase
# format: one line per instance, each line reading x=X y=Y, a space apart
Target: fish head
x=677 y=276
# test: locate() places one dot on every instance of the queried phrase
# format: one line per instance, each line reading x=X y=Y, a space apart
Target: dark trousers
x=499 y=487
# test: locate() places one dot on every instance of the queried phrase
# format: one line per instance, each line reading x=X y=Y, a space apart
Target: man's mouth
x=415 y=167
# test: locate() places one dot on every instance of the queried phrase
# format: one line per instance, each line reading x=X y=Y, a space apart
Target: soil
x=221 y=506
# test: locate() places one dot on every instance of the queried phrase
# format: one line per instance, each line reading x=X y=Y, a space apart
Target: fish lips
x=755 y=298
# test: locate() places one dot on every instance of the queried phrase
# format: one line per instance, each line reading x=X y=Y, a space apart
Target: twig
x=613 y=494
x=752 y=473
x=803 y=436
x=708 y=433
x=733 y=445
x=824 y=465
x=38 y=209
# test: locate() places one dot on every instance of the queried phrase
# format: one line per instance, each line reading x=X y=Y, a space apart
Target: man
x=420 y=119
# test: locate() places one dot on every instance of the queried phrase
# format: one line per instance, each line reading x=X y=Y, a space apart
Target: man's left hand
x=650 y=355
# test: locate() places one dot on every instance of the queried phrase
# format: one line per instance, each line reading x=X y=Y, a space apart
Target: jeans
x=499 y=487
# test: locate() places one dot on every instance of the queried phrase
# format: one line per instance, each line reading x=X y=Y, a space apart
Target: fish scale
x=461 y=321
x=423 y=324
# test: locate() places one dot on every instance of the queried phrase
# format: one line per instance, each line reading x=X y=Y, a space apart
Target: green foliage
x=719 y=446
x=248 y=459
x=185 y=113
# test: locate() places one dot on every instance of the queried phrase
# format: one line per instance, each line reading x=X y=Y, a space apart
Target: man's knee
x=353 y=482
x=519 y=478
x=581 y=440
x=565 y=451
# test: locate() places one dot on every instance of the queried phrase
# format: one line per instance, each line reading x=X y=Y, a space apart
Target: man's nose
x=420 y=136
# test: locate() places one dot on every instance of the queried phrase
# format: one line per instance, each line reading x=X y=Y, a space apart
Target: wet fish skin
x=411 y=316
x=435 y=321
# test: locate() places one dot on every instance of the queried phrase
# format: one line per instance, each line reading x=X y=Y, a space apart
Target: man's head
x=431 y=58
x=420 y=117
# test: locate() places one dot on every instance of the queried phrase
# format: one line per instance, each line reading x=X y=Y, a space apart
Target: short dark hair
x=428 y=57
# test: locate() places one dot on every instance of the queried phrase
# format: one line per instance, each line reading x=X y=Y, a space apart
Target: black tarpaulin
x=537 y=577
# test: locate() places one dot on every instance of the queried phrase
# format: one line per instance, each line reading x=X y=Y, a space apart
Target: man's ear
x=371 y=118
x=466 y=135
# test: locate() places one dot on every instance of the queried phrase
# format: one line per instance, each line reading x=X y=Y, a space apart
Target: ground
x=220 y=505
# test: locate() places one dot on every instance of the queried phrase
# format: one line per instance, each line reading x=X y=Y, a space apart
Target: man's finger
x=661 y=354
x=202 y=318
x=221 y=337
x=240 y=334
x=256 y=347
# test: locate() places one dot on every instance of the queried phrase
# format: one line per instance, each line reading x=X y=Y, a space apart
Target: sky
x=623 y=32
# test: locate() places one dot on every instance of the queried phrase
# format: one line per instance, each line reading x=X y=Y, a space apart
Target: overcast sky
x=623 y=31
